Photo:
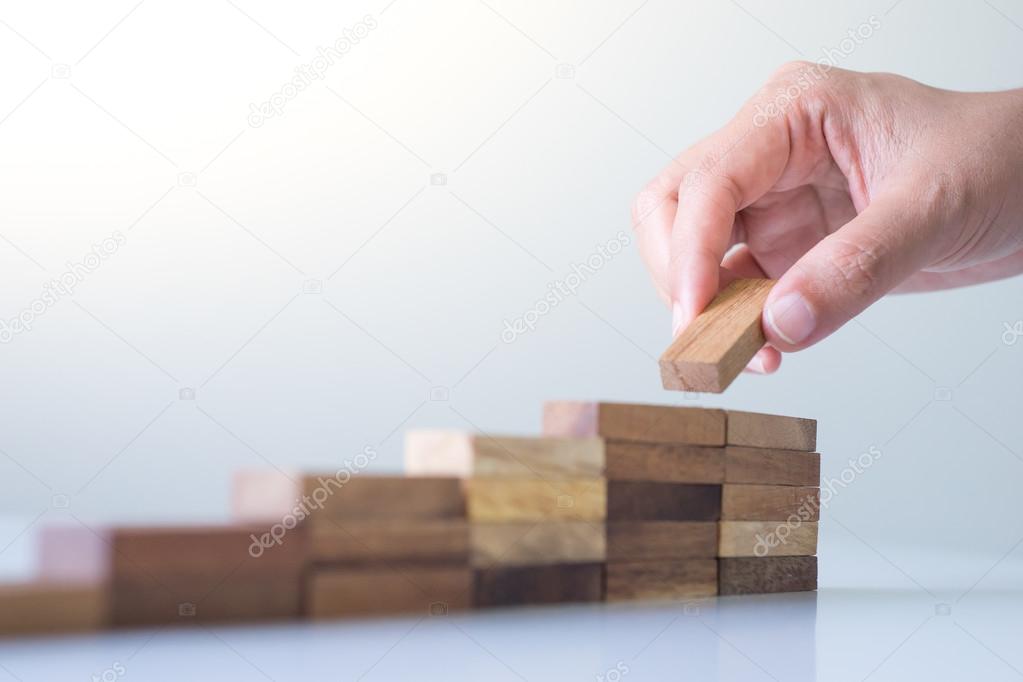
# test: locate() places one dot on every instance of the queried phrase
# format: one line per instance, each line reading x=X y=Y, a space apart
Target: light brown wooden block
x=455 y=453
x=523 y=585
x=38 y=608
x=766 y=538
x=333 y=592
x=520 y=499
x=181 y=575
x=772 y=467
x=643 y=423
x=662 y=579
x=531 y=543
x=657 y=501
x=270 y=496
x=365 y=542
x=720 y=342
x=769 y=502
x=770 y=574
x=627 y=460
x=771 y=431
x=642 y=540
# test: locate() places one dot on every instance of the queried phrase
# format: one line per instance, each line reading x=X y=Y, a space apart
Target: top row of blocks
x=666 y=424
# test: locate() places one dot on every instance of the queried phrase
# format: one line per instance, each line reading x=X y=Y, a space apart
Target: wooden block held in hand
x=720 y=342
x=643 y=423
x=271 y=496
x=662 y=579
x=525 y=585
x=769 y=502
x=766 y=538
x=532 y=544
x=769 y=574
x=771 y=431
x=771 y=467
x=367 y=542
x=641 y=540
x=456 y=453
x=36 y=608
x=656 y=501
x=520 y=499
x=335 y=592
x=665 y=462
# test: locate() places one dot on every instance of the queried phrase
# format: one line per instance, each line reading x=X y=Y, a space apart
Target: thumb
x=848 y=271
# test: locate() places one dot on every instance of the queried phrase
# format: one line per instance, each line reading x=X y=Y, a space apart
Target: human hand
x=843 y=186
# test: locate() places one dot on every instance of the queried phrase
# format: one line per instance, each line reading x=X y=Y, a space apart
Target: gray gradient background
x=417 y=278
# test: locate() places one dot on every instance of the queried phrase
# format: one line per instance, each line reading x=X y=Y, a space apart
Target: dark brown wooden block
x=335 y=592
x=771 y=431
x=644 y=423
x=769 y=502
x=520 y=585
x=662 y=579
x=768 y=574
x=656 y=501
x=771 y=467
x=641 y=540
x=367 y=542
x=666 y=462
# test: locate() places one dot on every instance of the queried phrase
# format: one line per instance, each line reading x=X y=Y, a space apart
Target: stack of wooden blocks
x=613 y=502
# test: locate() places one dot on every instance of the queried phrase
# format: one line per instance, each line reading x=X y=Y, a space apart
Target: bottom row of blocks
x=333 y=592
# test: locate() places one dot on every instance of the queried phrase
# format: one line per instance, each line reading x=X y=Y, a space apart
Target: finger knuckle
x=856 y=267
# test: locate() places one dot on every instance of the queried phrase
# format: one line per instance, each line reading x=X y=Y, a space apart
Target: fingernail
x=676 y=318
x=791 y=318
x=756 y=364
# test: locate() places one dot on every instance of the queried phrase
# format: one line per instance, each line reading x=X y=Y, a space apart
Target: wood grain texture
x=656 y=501
x=772 y=467
x=640 y=540
x=501 y=499
x=333 y=592
x=627 y=460
x=643 y=423
x=522 y=585
x=41 y=608
x=181 y=575
x=770 y=574
x=270 y=496
x=366 y=542
x=720 y=342
x=766 y=538
x=771 y=431
x=530 y=543
x=456 y=453
x=662 y=579
x=769 y=502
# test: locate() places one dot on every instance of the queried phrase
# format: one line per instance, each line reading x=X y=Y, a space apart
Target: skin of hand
x=844 y=187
